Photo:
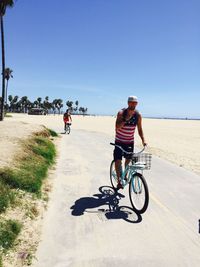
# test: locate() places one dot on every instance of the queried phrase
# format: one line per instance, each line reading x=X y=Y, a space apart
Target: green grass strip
x=52 y=133
x=32 y=169
x=6 y=196
x=9 y=230
x=45 y=148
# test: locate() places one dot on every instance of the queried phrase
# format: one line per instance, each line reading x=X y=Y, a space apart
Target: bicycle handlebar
x=127 y=151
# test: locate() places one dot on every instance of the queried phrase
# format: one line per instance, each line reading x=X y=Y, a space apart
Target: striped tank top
x=125 y=134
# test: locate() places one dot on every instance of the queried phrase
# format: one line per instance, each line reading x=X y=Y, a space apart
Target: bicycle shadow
x=110 y=198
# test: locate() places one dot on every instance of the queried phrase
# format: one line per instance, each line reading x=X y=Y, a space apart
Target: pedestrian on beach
x=128 y=119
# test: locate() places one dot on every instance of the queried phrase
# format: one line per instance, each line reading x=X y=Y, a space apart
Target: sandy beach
x=177 y=141
x=174 y=140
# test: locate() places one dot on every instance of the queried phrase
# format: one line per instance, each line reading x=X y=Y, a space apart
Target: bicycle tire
x=67 y=129
x=113 y=175
x=138 y=188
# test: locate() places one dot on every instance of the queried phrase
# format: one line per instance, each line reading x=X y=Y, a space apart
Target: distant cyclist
x=67 y=118
x=127 y=120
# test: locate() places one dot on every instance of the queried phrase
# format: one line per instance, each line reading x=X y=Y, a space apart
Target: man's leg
x=118 y=165
x=118 y=168
x=128 y=157
x=126 y=163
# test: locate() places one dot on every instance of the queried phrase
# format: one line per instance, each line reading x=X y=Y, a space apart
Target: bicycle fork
x=136 y=185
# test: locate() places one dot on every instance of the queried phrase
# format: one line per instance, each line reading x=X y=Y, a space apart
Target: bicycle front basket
x=143 y=158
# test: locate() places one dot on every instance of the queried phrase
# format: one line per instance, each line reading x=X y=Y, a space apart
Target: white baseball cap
x=132 y=98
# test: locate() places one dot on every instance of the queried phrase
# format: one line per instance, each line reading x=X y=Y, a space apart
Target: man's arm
x=120 y=120
x=140 y=130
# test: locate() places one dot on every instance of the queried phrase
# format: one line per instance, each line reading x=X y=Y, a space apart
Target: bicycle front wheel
x=138 y=193
x=113 y=175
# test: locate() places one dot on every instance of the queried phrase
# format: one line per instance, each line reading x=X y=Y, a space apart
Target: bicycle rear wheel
x=138 y=193
x=113 y=175
x=67 y=129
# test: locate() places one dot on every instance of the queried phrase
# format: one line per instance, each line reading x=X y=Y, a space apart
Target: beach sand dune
x=11 y=135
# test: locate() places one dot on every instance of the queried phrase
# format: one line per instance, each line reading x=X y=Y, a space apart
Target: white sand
x=175 y=140
x=11 y=135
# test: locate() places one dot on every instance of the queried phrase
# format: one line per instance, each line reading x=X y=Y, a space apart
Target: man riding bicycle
x=127 y=120
x=67 y=118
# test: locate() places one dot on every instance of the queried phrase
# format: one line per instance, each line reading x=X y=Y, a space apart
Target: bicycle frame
x=132 y=174
x=130 y=169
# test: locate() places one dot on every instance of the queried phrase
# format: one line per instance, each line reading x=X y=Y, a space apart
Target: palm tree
x=39 y=99
x=46 y=104
x=35 y=103
x=69 y=104
x=76 y=103
x=18 y=106
x=14 y=102
x=3 y=5
x=24 y=103
x=83 y=110
x=54 y=105
x=80 y=109
x=10 y=99
x=59 y=104
x=7 y=76
x=28 y=105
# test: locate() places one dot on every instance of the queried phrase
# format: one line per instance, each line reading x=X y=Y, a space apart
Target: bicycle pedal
x=119 y=186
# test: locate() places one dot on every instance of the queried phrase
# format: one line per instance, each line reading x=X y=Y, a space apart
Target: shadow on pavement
x=111 y=199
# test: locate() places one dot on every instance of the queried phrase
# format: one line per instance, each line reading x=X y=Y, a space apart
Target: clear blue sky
x=101 y=51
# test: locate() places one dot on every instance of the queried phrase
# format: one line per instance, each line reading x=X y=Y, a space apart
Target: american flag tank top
x=125 y=134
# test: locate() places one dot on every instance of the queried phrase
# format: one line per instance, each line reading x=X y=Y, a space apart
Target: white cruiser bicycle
x=132 y=175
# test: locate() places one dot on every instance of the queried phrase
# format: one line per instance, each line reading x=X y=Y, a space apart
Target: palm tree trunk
x=3 y=70
x=6 y=95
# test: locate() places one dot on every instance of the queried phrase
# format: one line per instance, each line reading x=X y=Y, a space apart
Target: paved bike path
x=86 y=225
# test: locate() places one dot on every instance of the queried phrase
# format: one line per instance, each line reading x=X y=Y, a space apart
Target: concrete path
x=80 y=230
